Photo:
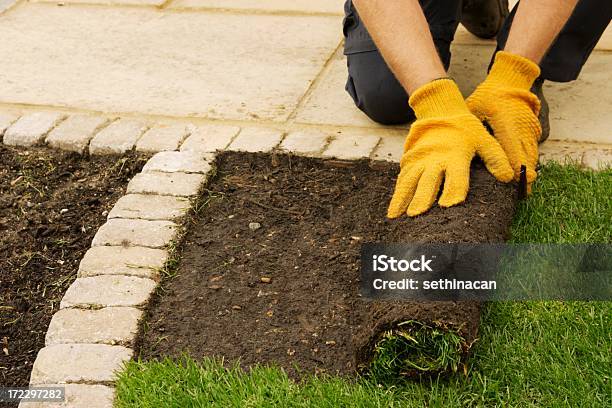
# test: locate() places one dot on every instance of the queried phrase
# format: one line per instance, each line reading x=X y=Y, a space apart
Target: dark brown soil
x=288 y=292
x=51 y=205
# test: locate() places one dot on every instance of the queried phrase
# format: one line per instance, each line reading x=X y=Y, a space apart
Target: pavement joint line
x=314 y=83
x=378 y=144
x=55 y=125
x=234 y=137
x=328 y=140
x=110 y=121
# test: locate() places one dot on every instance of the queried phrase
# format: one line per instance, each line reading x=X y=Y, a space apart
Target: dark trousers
x=377 y=92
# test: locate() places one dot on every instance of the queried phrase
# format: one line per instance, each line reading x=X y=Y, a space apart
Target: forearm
x=395 y=26
x=536 y=25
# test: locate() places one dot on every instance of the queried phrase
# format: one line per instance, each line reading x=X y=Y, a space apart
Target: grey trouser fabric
x=377 y=93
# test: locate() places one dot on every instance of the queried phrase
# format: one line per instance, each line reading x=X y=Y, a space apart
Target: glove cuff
x=438 y=98
x=513 y=70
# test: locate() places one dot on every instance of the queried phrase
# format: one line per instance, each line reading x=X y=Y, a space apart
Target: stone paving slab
x=605 y=42
x=578 y=109
x=75 y=132
x=147 y=61
x=330 y=104
x=108 y=291
x=256 y=140
x=78 y=396
x=172 y=184
x=276 y=6
x=587 y=155
x=463 y=36
x=390 y=148
x=109 y=325
x=598 y=159
x=150 y=207
x=184 y=162
x=352 y=145
x=118 y=137
x=31 y=129
x=117 y=260
x=78 y=363
x=210 y=138
x=134 y=232
x=306 y=142
x=562 y=152
x=162 y=138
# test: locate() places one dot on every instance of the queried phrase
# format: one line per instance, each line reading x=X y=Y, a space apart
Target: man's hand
x=440 y=146
x=504 y=101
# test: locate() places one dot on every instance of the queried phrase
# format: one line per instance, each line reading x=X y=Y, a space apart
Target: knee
x=386 y=108
x=386 y=104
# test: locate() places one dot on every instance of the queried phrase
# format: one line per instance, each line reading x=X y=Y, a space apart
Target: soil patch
x=51 y=205
x=270 y=266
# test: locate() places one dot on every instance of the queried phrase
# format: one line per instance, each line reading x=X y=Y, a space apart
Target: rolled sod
x=405 y=339
x=402 y=340
x=269 y=271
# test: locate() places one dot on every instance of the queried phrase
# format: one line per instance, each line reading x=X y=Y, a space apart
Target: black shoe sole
x=484 y=18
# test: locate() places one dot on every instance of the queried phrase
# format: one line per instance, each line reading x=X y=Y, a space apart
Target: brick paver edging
x=97 y=134
x=92 y=335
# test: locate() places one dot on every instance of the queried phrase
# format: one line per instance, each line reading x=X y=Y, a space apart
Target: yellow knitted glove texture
x=504 y=101
x=440 y=147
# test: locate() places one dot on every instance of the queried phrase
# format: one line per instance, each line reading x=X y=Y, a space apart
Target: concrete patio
x=255 y=63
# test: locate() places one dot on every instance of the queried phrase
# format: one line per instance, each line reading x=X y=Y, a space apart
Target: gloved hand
x=440 y=146
x=504 y=101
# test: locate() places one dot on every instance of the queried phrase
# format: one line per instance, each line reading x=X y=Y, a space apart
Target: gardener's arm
x=504 y=99
x=396 y=26
x=536 y=25
x=446 y=136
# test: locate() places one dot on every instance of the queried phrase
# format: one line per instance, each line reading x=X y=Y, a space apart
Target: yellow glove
x=440 y=146
x=504 y=101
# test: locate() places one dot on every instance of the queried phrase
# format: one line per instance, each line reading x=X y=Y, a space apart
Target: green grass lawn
x=545 y=354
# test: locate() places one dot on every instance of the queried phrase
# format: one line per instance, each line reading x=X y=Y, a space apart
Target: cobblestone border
x=92 y=335
x=96 y=134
